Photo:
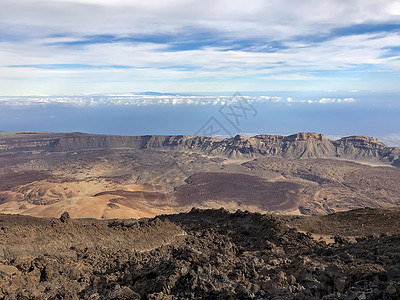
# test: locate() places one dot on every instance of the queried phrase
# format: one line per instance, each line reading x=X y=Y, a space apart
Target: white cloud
x=334 y=137
x=132 y=99
x=293 y=77
x=239 y=18
x=392 y=140
x=394 y=8
x=336 y=100
x=36 y=31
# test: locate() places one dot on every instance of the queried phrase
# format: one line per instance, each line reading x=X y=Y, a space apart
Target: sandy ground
x=78 y=199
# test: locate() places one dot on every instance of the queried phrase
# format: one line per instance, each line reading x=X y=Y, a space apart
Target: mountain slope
x=300 y=145
x=106 y=177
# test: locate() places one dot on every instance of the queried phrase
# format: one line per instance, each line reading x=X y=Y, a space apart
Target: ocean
x=334 y=114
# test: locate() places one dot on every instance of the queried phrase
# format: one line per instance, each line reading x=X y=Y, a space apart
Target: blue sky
x=74 y=47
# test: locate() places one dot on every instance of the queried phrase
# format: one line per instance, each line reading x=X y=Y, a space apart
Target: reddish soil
x=11 y=180
x=241 y=188
x=148 y=196
x=359 y=222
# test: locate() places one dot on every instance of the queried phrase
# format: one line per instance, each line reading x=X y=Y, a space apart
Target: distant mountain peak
x=362 y=139
x=295 y=146
x=303 y=136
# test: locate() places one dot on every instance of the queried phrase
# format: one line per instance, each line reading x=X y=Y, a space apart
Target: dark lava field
x=203 y=254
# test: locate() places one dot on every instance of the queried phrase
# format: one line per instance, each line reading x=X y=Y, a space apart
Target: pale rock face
x=300 y=145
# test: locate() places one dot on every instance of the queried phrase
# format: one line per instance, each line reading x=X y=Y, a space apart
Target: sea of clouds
x=144 y=100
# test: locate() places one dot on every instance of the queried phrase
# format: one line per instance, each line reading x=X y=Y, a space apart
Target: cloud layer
x=161 y=99
x=392 y=140
x=78 y=46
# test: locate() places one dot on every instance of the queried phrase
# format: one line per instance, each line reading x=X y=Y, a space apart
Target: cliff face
x=300 y=145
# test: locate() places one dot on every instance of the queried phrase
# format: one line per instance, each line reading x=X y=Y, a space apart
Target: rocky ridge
x=300 y=145
x=204 y=254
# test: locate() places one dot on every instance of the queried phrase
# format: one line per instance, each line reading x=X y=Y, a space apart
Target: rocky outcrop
x=300 y=145
x=204 y=254
x=360 y=147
